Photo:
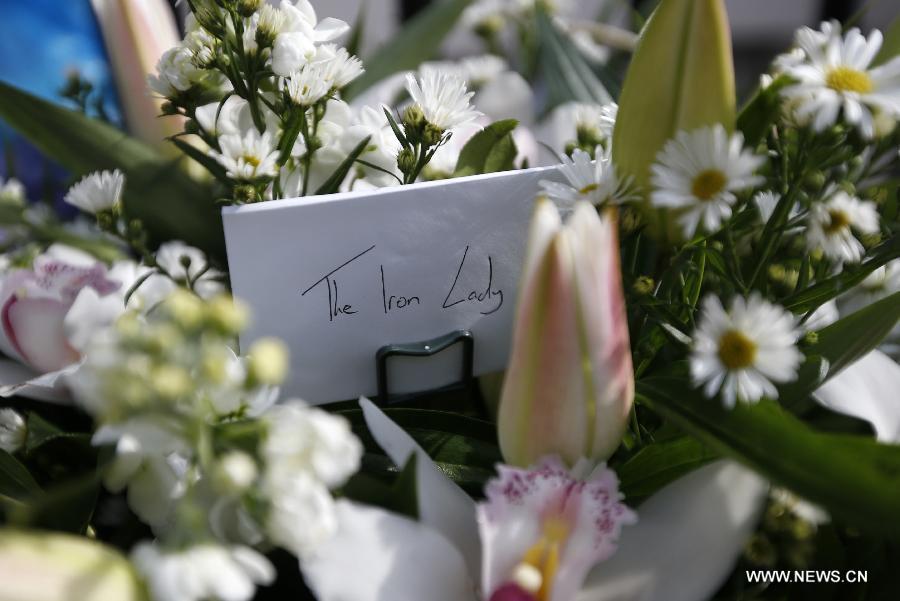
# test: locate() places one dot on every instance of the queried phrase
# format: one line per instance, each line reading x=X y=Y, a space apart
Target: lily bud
x=136 y=34
x=570 y=384
x=57 y=567
x=681 y=78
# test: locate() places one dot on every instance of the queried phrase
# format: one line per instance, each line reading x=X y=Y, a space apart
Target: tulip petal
x=603 y=326
x=443 y=505
x=686 y=541
x=867 y=389
x=542 y=408
x=380 y=556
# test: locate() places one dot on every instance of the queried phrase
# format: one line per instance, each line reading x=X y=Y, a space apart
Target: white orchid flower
x=682 y=548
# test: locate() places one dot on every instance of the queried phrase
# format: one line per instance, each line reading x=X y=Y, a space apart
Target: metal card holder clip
x=426 y=348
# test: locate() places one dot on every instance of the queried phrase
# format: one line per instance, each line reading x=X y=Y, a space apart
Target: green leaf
x=417 y=41
x=761 y=111
x=817 y=295
x=855 y=478
x=333 y=183
x=17 y=484
x=41 y=432
x=400 y=496
x=157 y=191
x=658 y=464
x=489 y=151
x=841 y=344
x=569 y=76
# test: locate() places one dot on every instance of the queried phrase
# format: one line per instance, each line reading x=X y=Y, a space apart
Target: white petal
x=379 y=556
x=686 y=541
x=442 y=504
x=867 y=390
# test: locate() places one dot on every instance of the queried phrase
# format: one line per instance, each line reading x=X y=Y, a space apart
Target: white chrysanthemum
x=597 y=120
x=299 y=33
x=308 y=85
x=443 y=98
x=831 y=225
x=837 y=77
x=743 y=352
x=186 y=263
x=203 y=572
x=248 y=157
x=12 y=191
x=176 y=72
x=594 y=181
x=306 y=452
x=699 y=172
x=478 y=70
x=339 y=67
x=12 y=430
x=99 y=191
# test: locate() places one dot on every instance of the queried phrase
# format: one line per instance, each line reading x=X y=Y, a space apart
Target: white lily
x=682 y=548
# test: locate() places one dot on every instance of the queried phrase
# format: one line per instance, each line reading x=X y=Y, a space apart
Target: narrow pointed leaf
x=490 y=150
x=333 y=183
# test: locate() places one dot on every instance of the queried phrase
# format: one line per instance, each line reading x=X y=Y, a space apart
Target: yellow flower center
x=251 y=160
x=838 y=221
x=708 y=184
x=543 y=559
x=845 y=79
x=588 y=189
x=736 y=350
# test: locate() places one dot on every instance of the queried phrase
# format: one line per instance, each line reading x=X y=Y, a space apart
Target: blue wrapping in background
x=41 y=43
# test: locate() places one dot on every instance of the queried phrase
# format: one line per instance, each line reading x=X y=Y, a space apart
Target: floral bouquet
x=700 y=400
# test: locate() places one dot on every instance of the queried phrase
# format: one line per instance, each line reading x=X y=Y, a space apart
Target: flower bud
x=60 y=567
x=235 y=472
x=432 y=135
x=681 y=78
x=12 y=430
x=570 y=384
x=406 y=160
x=268 y=361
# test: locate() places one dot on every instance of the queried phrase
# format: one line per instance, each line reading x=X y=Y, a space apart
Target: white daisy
x=831 y=225
x=443 y=98
x=594 y=181
x=97 y=192
x=836 y=75
x=250 y=157
x=698 y=172
x=743 y=352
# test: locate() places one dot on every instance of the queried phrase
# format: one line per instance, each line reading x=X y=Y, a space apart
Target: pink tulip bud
x=570 y=384
x=137 y=33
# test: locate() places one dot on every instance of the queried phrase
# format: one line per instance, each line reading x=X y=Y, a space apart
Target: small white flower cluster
x=202 y=452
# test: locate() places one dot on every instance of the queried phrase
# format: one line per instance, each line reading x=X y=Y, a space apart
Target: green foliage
x=333 y=183
x=658 y=464
x=761 y=112
x=569 y=77
x=490 y=150
x=170 y=204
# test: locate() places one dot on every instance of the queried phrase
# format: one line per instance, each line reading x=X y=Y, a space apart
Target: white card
x=340 y=276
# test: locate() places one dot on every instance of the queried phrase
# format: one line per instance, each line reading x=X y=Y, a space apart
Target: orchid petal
x=442 y=504
x=380 y=556
x=521 y=503
x=36 y=327
x=867 y=389
x=89 y=313
x=20 y=380
x=686 y=541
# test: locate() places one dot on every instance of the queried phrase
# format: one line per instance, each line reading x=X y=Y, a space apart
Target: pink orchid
x=543 y=534
x=48 y=313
